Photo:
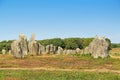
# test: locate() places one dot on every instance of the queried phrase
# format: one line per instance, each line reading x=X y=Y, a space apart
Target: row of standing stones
x=19 y=48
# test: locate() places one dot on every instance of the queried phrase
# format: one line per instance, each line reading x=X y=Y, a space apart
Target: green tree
x=5 y=45
x=86 y=41
x=71 y=43
x=55 y=41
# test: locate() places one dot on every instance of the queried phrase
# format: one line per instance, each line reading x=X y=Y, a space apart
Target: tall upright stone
x=60 y=50
x=33 y=45
x=19 y=47
x=54 y=50
x=98 y=48
x=51 y=49
x=41 y=49
x=48 y=49
x=23 y=44
x=16 y=49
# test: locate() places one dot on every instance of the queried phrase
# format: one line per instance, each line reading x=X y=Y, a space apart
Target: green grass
x=72 y=61
x=55 y=75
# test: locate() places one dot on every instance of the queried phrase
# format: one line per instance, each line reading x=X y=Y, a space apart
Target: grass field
x=60 y=67
x=115 y=52
x=55 y=75
x=60 y=61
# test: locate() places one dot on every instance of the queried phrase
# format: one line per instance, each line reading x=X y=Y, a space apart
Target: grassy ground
x=55 y=75
x=60 y=61
x=57 y=62
x=115 y=52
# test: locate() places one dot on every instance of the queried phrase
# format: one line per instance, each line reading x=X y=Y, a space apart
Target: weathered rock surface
x=78 y=51
x=19 y=47
x=23 y=44
x=33 y=45
x=98 y=48
x=3 y=51
x=48 y=49
x=70 y=52
x=41 y=49
x=60 y=50
x=51 y=49
x=55 y=50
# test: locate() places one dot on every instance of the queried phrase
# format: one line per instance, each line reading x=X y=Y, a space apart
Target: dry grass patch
x=59 y=62
x=115 y=52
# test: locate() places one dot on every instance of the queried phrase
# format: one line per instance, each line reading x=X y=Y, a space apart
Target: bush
x=5 y=45
x=70 y=43
x=115 y=45
x=55 y=41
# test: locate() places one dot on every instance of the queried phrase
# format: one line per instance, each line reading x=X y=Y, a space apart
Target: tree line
x=115 y=45
x=67 y=43
x=5 y=45
x=70 y=43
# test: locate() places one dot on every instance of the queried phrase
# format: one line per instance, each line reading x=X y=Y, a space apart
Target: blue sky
x=60 y=18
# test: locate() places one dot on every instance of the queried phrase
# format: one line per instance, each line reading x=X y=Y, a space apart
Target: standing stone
x=87 y=50
x=19 y=47
x=3 y=51
x=60 y=50
x=34 y=50
x=51 y=49
x=33 y=45
x=54 y=49
x=48 y=49
x=15 y=49
x=42 y=49
x=98 y=48
x=39 y=50
x=23 y=44
x=78 y=51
